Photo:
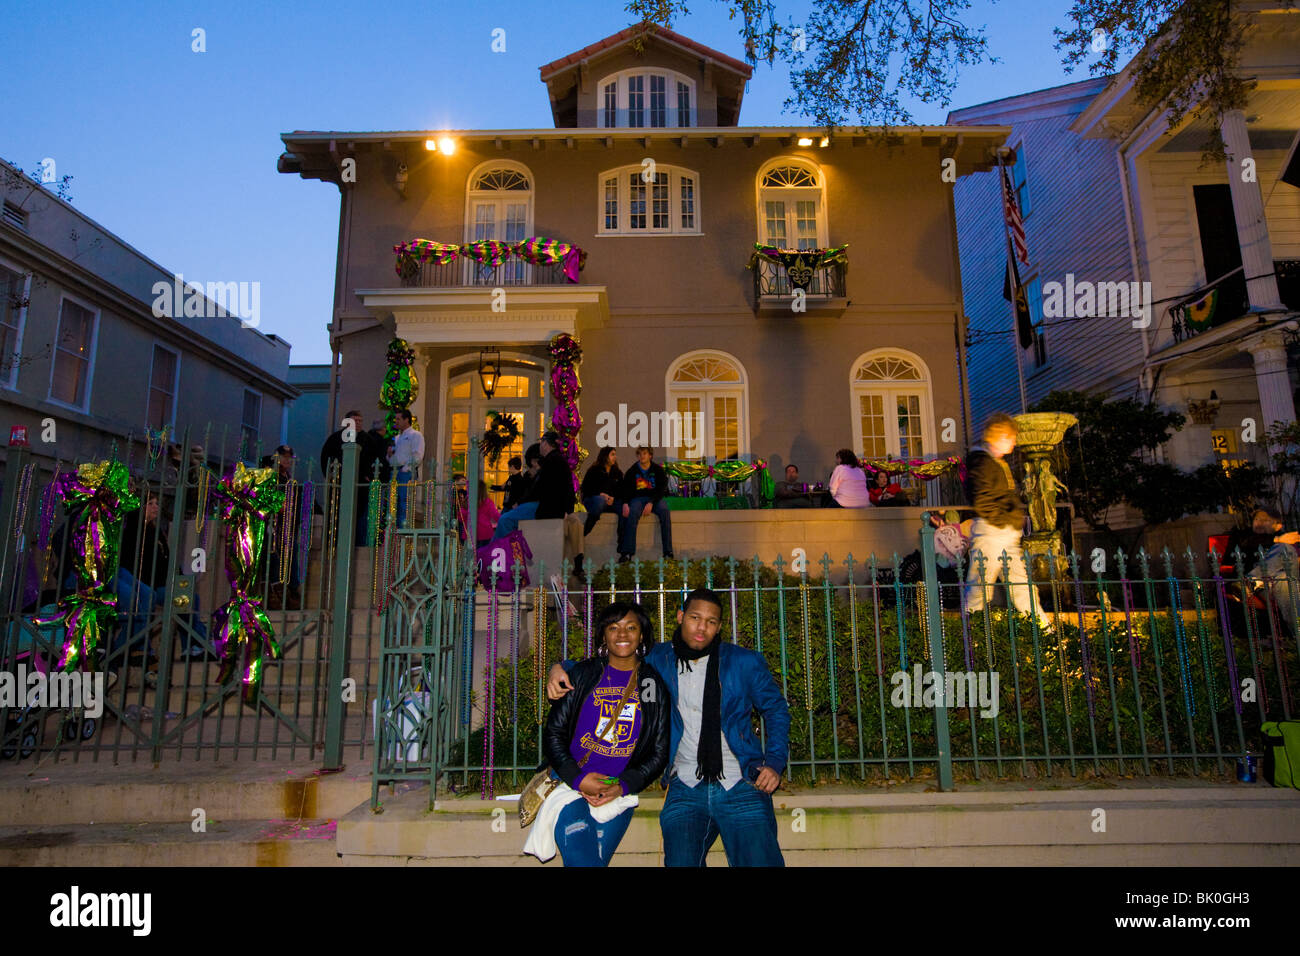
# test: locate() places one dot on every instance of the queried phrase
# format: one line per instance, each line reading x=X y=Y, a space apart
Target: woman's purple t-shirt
x=611 y=753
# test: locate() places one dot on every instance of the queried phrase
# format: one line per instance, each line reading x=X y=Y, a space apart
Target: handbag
x=543 y=784
x=1282 y=753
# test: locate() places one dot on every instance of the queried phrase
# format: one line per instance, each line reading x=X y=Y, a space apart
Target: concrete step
x=1203 y=826
x=223 y=843
x=85 y=793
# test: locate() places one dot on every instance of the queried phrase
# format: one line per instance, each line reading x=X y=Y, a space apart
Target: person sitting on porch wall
x=600 y=487
x=999 y=523
x=791 y=493
x=606 y=742
x=848 y=482
x=551 y=494
x=515 y=486
x=720 y=779
x=642 y=491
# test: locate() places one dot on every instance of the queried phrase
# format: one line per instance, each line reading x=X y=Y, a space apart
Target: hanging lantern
x=489 y=370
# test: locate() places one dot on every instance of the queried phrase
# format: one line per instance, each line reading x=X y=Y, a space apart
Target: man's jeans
x=510 y=520
x=991 y=541
x=627 y=534
x=135 y=602
x=403 y=486
x=584 y=842
x=693 y=817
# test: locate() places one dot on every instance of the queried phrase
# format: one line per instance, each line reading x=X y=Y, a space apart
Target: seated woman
x=606 y=741
x=848 y=483
x=884 y=491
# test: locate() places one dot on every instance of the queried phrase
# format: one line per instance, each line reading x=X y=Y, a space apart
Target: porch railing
x=771 y=281
x=464 y=272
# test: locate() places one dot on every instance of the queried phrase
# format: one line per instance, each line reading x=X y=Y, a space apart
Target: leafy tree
x=862 y=58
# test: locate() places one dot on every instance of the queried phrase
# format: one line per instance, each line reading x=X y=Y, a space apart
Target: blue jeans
x=510 y=520
x=135 y=601
x=403 y=486
x=627 y=534
x=584 y=842
x=596 y=506
x=693 y=817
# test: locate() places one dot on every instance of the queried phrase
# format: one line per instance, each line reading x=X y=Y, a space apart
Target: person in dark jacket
x=600 y=487
x=369 y=453
x=551 y=494
x=609 y=739
x=516 y=485
x=999 y=523
x=642 y=491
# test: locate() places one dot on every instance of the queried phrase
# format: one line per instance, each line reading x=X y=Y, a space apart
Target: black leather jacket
x=649 y=756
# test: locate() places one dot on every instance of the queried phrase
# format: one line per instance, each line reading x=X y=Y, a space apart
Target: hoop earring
x=603 y=650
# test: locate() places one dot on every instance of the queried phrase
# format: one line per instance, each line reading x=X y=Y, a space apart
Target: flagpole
x=1015 y=338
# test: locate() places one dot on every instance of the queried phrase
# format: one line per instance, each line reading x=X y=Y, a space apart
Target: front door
x=520 y=392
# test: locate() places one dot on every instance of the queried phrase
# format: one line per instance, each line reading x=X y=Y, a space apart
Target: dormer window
x=646 y=99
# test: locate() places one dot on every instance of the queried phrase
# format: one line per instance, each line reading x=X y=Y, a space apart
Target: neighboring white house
x=1113 y=196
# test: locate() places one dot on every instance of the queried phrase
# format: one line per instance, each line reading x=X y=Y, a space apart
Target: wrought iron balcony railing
x=468 y=273
x=1232 y=302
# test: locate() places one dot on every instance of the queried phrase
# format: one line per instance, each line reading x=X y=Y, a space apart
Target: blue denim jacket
x=746 y=684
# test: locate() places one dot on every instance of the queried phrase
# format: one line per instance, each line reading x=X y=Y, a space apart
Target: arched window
x=645 y=98
x=499 y=205
x=639 y=201
x=710 y=392
x=792 y=204
x=892 y=405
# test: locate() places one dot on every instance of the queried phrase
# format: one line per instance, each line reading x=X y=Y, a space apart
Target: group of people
x=378 y=457
x=849 y=487
x=639 y=711
x=631 y=496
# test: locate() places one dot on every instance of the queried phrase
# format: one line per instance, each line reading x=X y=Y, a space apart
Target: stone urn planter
x=1038 y=434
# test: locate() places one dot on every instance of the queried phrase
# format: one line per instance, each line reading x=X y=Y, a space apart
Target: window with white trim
x=163 y=375
x=499 y=206
x=891 y=397
x=709 y=391
x=646 y=99
x=13 y=309
x=74 y=353
x=634 y=204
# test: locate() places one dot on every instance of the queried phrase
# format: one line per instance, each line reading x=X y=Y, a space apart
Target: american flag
x=1014 y=223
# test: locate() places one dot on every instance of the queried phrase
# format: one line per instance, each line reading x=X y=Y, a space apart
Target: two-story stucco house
x=1151 y=274
x=649 y=170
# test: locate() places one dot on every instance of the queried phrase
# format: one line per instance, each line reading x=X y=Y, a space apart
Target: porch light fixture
x=489 y=370
x=446 y=145
x=401 y=178
x=805 y=140
x=431 y=145
x=826 y=141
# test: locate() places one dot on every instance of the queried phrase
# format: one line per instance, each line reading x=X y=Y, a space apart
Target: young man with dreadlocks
x=720 y=778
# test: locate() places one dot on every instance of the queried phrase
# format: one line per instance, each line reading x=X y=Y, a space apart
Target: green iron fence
x=395 y=654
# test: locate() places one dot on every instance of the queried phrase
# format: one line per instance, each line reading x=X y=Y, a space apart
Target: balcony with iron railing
x=1226 y=300
x=488 y=263
x=781 y=275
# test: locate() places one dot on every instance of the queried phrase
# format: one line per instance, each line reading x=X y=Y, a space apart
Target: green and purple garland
x=538 y=250
x=566 y=354
x=400 y=385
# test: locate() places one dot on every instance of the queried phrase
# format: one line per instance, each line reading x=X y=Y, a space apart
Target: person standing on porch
x=999 y=523
x=642 y=491
x=406 y=455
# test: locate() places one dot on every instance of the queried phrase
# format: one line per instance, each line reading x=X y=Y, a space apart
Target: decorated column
x=400 y=385
x=566 y=354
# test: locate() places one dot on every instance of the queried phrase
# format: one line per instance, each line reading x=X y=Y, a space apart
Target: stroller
x=951 y=542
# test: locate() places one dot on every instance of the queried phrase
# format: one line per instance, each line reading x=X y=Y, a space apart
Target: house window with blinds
x=74 y=353
x=641 y=99
x=635 y=203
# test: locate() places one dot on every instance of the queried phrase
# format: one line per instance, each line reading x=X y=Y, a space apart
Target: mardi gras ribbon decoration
x=729 y=470
x=566 y=354
x=800 y=265
x=400 y=386
x=247 y=498
x=97 y=498
x=926 y=468
x=538 y=250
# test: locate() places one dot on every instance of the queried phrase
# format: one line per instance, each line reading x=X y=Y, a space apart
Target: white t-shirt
x=849 y=487
x=690 y=704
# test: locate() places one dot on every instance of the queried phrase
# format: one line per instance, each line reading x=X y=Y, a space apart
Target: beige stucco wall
x=670 y=294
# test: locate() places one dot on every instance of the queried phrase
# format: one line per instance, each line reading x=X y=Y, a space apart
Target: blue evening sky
x=174 y=151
